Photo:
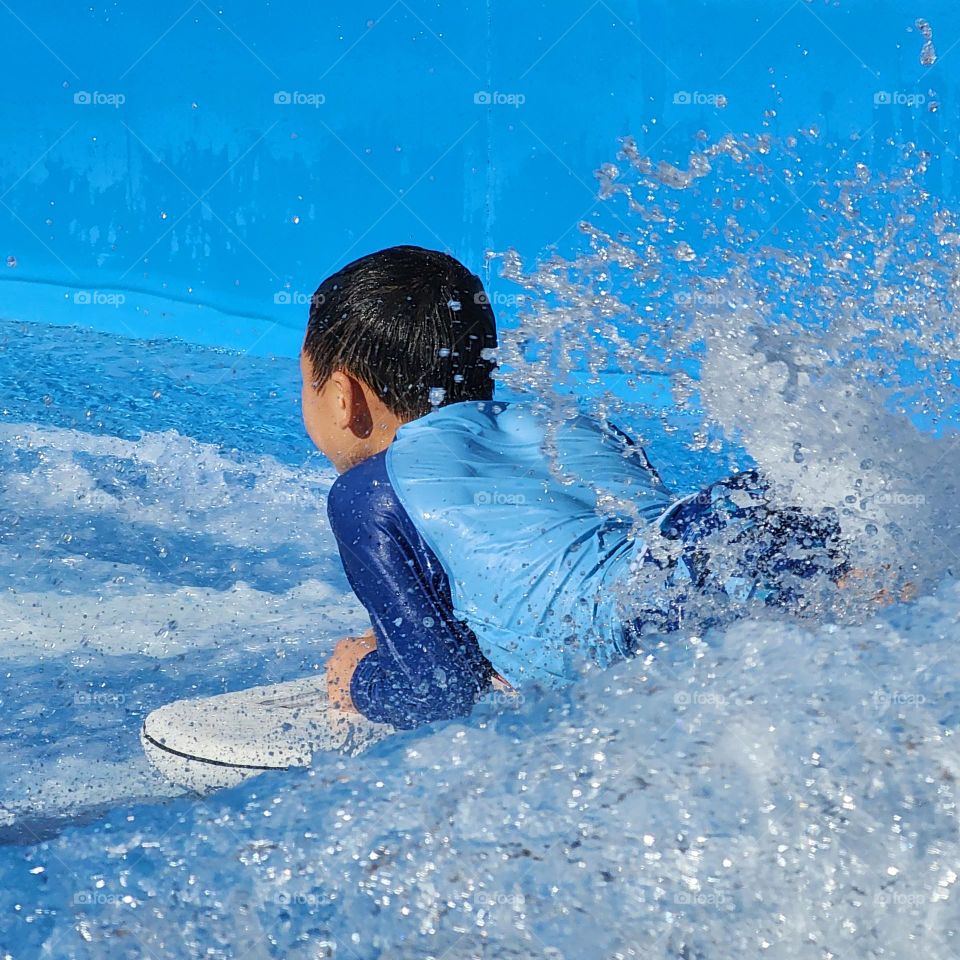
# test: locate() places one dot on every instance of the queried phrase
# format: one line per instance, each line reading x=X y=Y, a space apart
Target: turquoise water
x=777 y=782
x=783 y=297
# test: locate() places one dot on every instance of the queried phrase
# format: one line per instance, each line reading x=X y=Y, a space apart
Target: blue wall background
x=152 y=184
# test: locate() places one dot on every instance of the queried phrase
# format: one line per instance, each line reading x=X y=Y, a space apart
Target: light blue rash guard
x=485 y=540
x=531 y=522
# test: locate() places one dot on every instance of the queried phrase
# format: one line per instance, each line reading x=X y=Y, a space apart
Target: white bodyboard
x=215 y=742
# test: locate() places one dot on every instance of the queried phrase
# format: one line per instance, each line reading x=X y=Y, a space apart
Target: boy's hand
x=883 y=597
x=341 y=665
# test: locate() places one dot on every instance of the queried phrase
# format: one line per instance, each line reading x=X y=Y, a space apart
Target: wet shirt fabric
x=533 y=518
x=483 y=535
x=487 y=538
x=427 y=665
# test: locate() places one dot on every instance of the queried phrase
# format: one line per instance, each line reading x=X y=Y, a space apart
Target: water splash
x=802 y=308
x=787 y=789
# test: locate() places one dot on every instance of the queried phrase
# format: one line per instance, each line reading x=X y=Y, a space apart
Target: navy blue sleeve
x=427 y=665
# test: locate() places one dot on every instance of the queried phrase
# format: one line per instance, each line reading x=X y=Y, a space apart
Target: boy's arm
x=426 y=665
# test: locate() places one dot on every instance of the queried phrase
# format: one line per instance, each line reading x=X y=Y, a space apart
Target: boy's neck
x=379 y=439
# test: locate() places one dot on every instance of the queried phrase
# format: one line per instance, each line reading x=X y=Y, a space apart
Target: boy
x=470 y=529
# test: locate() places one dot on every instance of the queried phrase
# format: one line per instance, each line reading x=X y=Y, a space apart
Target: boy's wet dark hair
x=414 y=325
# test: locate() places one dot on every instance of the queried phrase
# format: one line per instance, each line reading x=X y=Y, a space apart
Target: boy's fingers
x=338 y=685
x=883 y=596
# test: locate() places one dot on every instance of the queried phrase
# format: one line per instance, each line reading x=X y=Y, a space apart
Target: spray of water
x=780 y=789
x=801 y=308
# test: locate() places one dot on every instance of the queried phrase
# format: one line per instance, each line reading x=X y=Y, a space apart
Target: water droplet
x=928 y=55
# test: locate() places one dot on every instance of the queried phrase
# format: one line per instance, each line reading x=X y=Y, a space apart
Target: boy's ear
x=352 y=410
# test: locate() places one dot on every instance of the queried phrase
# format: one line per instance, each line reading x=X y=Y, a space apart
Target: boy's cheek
x=312 y=418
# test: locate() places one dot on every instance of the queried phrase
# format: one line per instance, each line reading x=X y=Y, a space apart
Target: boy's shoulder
x=481 y=412
x=452 y=455
x=362 y=491
x=464 y=436
x=462 y=455
x=493 y=421
x=462 y=440
x=366 y=489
